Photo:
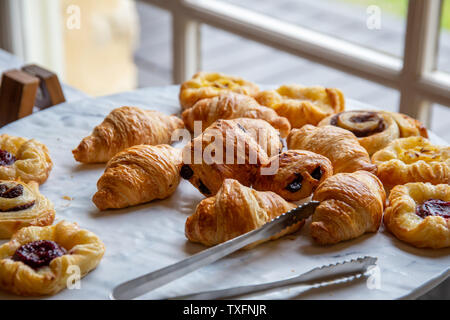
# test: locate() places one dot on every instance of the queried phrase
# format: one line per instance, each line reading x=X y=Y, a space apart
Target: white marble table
x=151 y=236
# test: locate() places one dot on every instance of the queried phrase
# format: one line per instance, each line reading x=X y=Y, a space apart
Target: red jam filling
x=39 y=253
x=434 y=207
x=6 y=158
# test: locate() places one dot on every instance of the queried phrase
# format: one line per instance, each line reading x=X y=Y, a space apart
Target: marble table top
x=150 y=236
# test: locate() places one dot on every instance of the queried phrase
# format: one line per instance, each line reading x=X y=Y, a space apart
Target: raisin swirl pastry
x=303 y=105
x=27 y=160
x=39 y=260
x=419 y=214
x=376 y=129
x=233 y=211
x=413 y=159
x=210 y=84
x=21 y=205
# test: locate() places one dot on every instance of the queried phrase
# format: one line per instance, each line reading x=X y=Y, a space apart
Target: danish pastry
x=233 y=211
x=337 y=144
x=210 y=84
x=21 y=205
x=296 y=174
x=303 y=105
x=351 y=204
x=40 y=260
x=125 y=127
x=413 y=159
x=27 y=160
x=232 y=105
x=419 y=214
x=137 y=175
x=376 y=129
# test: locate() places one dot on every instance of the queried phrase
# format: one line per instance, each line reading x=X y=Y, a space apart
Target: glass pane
x=443 y=62
x=440 y=121
x=377 y=24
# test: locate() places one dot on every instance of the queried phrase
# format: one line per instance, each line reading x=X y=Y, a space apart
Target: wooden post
x=17 y=95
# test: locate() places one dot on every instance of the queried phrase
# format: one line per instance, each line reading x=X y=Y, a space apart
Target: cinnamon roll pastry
x=376 y=129
x=40 y=260
x=413 y=159
x=303 y=105
x=137 y=175
x=294 y=174
x=21 y=205
x=340 y=146
x=224 y=150
x=125 y=127
x=419 y=214
x=232 y=105
x=210 y=84
x=351 y=204
x=27 y=160
x=233 y=211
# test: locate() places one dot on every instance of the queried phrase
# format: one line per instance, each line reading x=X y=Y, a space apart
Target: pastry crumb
x=67 y=198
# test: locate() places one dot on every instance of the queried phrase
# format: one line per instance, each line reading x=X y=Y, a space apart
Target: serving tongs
x=153 y=280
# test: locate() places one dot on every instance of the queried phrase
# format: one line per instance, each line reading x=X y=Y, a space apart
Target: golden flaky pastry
x=413 y=159
x=27 y=160
x=137 y=175
x=21 y=205
x=351 y=204
x=235 y=210
x=376 y=129
x=125 y=127
x=210 y=84
x=232 y=105
x=337 y=144
x=303 y=105
x=46 y=276
x=419 y=214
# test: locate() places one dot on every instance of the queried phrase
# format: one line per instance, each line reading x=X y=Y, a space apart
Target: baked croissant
x=224 y=150
x=137 y=175
x=303 y=105
x=27 y=160
x=125 y=127
x=376 y=129
x=337 y=144
x=210 y=84
x=21 y=205
x=232 y=105
x=233 y=211
x=351 y=205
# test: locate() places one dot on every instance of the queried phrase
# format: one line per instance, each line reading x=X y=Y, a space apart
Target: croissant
x=210 y=84
x=137 y=175
x=293 y=174
x=376 y=129
x=351 y=205
x=233 y=211
x=337 y=144
x=303 y=105
x=232 y=105
x=125 y=127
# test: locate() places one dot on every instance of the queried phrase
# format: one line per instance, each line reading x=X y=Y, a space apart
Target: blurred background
x=107 y=46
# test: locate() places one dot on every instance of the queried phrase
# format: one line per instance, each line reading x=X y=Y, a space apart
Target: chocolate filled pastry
x=232 y=105
x=233 y=211
x=351 y=204
x=125 y=127
x=413 y=159
x=210 y=84
x=24 y=159
x=419 y=214
x=303 y=105
x=40 y=260
x=376 y=129
x=21 y=205
x=137 y=175
x=340 y=146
